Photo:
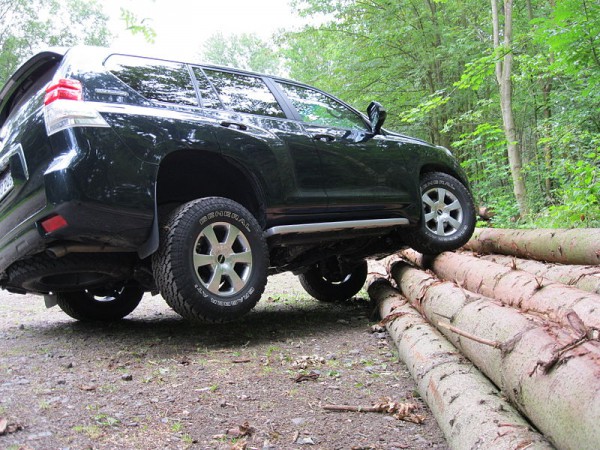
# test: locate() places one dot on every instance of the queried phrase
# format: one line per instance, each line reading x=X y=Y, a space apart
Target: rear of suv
x=121 y=174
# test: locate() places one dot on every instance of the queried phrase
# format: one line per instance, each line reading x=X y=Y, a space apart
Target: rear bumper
x=87 y=224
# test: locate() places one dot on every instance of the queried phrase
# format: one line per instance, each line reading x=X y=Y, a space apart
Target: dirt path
x=154 y=381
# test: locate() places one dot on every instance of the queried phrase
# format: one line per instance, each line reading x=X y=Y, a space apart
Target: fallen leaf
x=88 y=387
x=241 y=360
x=306 y=376
x=241 y=431
x=8 y=428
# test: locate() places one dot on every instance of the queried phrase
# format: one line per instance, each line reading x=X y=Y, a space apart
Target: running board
x=334 y=226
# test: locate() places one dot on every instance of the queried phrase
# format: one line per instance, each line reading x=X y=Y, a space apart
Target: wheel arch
x=458 y=174
x=186 y=175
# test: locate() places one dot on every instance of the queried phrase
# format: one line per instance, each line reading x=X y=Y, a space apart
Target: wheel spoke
x=430 y=216
x=243 y=257
x=232 y=235
x=453 y=206
x=211 y=237
x=440 y=228
x=236 y=282
x=215 y=282
x=455 y=223
x=428 y=200
x=441 y=192
x=201 y=260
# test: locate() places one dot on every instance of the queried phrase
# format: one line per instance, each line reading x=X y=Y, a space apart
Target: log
x=515 y=288
x=559 y=391
x=586 y=278
x=576 y=246
x=469 y=409
x=485 y=213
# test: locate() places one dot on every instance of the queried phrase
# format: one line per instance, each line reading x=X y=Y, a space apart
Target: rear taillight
x=64 y=89
x=64 y=107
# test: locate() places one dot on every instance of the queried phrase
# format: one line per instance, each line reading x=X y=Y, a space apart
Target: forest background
x=512 y=89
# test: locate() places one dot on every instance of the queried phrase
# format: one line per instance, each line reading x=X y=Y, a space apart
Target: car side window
x=208 y=96
x=157 y=80
x=245 y=93
x=318 y=108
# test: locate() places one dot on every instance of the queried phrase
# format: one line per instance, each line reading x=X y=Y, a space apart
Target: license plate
x=6 y=184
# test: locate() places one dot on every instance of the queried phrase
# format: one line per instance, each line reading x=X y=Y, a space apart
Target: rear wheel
x=328 y=282
x=448 y=217
x=101 y=304
x=212 y=260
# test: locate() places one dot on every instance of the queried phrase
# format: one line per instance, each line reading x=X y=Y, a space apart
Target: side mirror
x=377 y=116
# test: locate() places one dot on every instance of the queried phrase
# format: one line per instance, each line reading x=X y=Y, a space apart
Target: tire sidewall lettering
x=225 y=214
x=229 y=303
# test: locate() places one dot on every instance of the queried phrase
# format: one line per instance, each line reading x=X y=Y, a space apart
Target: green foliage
x=136 y=26
x=431 y=63
x=27 y=25
x=242 y=51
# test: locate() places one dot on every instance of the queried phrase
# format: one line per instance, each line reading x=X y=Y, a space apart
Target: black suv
x=121 y=174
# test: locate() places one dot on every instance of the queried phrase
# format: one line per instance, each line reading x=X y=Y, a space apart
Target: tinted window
x=245 y=93
x=208 y=96
x=156 y=80
x=316 y=107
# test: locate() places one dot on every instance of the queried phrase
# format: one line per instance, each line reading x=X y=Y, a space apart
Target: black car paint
x=104 y=180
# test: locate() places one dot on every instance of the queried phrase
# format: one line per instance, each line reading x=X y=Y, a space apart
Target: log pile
x=502 y=336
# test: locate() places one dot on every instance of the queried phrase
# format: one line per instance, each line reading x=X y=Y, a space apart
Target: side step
x=334 y=226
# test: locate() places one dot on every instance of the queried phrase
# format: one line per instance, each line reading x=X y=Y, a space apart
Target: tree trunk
x=558 y=391
x=586 y=278
x=468 y=408
x=577 y=246
x=503 y=76
x=515 y=287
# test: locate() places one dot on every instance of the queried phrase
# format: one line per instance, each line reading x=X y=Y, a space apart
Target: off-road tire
x=325 y=289
x=202 y=276
x=72 y=272
x=448 y=216
x=87 y=307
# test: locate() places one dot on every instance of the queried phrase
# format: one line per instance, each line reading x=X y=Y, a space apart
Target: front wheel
x=212 y=260
x=100 y=305
x=448 y=216
x=327 y=282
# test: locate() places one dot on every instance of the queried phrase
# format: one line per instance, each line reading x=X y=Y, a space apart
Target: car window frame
x=169 y=105
x=280 y=100
x=298 y=117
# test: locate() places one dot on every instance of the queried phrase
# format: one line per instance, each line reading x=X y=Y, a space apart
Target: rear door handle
x=324 y=137
x=239 y=126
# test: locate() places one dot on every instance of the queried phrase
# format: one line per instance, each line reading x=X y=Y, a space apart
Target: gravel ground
x=154 y=381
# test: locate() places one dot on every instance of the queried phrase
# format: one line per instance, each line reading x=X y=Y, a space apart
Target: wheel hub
x=443 y=213
x=222 y=259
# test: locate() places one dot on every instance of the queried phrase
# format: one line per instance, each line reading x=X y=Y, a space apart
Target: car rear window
x=208 y=96
x=157 y=80
x=245 y=93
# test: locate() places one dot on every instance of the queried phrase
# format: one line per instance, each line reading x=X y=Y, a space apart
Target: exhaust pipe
x=58 y=251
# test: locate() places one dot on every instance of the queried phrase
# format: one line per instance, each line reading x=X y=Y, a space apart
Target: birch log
x=515 y=288
x=559 y=391
x=586 y=278
x=576 y=246
x=469 y=409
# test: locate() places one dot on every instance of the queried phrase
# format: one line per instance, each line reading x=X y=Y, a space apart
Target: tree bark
x=503 y=77
x=469 y=409
x=576 y=246
x=586 y=278
x=515 y=288
x=558 y=391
